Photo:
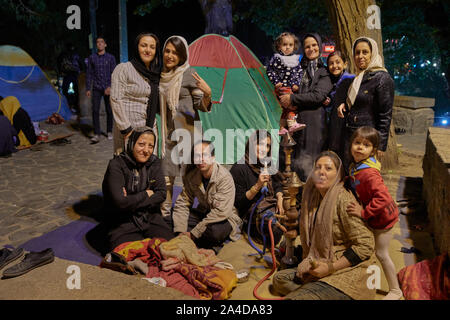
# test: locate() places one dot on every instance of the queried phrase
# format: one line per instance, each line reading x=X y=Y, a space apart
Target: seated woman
x=249 y=178
x=19 y=118
x=8 y=137
x=337 y=247
x=133 y=189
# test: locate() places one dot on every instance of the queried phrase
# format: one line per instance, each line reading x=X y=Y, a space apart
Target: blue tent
x=20 y=76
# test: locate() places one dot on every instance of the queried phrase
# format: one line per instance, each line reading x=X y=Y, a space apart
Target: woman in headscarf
x=370 y=97
x=337 y=247
x=308 y=101
x=134 y=89
x=250 y=177
x=182 y=94
x=133 y=190
x=20 y=120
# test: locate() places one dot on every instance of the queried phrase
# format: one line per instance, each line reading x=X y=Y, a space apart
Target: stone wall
x=436 y=185
x=413 y=114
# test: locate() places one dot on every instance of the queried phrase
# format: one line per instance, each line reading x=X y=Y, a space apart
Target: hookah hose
x=274 y=267
x=264 y=190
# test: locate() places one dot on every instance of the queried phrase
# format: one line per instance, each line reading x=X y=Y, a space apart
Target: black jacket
x=137 y=202
x=311 y=140
x=312 y=97
x=244 y=178
x=373 y=105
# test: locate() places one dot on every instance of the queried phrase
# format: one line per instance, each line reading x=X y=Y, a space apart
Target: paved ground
x=38 y=190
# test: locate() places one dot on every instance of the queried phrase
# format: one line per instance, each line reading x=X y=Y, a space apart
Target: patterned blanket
x=206 y=282
x=426 y=280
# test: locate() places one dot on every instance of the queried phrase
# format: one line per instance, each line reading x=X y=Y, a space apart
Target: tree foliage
x=411 y=49
x=31 y=13
x=39 y=27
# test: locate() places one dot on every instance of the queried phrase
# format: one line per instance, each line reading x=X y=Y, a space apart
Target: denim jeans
x=96 y=99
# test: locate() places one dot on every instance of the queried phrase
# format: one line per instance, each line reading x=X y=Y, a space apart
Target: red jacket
x=380 y=210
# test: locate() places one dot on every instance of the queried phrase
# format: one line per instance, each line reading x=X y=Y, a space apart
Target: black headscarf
x=152 y=75
x=132 y=139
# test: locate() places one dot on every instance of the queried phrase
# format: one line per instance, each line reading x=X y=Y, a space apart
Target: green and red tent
x=243 y=97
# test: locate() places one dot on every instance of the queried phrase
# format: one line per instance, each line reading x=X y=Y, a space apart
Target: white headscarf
x=375 y=64
x=169 y=89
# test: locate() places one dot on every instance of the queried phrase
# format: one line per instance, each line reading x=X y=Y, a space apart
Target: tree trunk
x=218 y=16
x=351 y=19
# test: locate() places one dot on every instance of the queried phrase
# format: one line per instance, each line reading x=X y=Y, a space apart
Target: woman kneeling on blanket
x=133 y=189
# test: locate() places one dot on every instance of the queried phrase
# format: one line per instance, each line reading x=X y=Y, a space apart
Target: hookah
x=289 y=220
x=291 y=186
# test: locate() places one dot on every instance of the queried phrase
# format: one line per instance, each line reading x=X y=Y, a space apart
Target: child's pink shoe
x=282 y=131
x=296 y=127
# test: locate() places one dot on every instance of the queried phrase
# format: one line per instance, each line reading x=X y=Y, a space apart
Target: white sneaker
x=95 y=139
x=110 y=136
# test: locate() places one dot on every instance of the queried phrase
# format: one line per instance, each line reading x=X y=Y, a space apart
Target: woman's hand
x=125 y=136
x=124 y=191
x=150 y=193
x=320 y=271
x=285 y=100
x=340 y=110
x=202 y=85
x=262 y=179
x=354 y=209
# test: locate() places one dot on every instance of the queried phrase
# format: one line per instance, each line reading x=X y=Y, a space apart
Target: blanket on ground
x=183 y=250
x=200 y=282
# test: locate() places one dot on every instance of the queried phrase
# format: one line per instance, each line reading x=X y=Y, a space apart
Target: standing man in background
x=98 y=84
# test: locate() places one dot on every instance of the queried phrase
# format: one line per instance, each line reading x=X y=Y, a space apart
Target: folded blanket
x=212 y=283
x=184 y=249
x=146 y=250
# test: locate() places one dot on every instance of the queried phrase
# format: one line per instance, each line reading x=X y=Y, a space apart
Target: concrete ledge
x=412 y=102
x=436 y=185
x=413 y=114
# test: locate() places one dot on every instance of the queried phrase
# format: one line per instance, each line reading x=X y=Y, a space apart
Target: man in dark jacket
x=133 y=189
x=308 y=101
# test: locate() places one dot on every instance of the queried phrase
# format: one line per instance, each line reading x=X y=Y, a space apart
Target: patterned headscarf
x=169 y=90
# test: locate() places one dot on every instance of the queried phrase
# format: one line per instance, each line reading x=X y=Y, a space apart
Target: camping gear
x=21 y=76
x=242 y=95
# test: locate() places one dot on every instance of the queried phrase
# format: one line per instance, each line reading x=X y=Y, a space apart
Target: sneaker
x=95 y=139
x=296 y=127
x=282 y=131
x=9 y=255
x=31 y=261
x=110 y=136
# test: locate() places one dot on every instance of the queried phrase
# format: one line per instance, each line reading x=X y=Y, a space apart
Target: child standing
x=341 y=79
x=379 y=211
x=285 y=72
